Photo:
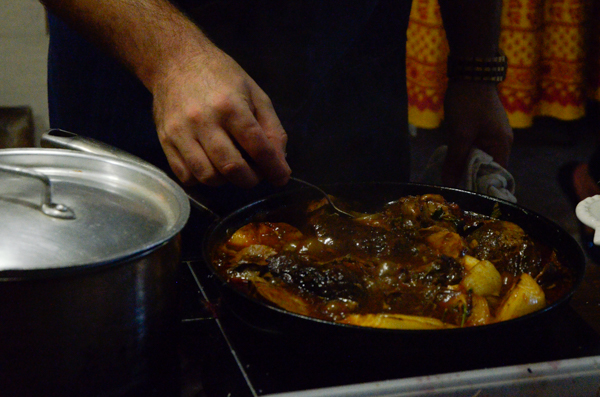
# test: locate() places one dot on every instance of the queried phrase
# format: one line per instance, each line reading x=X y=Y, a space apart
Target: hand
x=474 y=116
x=216 y=125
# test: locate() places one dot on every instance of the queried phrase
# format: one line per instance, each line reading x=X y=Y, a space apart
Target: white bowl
x=588 y=212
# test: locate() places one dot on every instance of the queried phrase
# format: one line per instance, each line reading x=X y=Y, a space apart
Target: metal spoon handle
x=336 y=209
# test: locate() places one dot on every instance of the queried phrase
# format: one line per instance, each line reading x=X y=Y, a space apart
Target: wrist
x=473 y=91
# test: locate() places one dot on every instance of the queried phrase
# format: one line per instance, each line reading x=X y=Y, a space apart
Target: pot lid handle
x=48 y=207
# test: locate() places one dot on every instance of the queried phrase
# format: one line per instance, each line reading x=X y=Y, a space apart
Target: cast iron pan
x=256 y=316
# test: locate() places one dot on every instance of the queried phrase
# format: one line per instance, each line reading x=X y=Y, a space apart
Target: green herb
x=464 y=316
x=496 y=213
x=437 y=214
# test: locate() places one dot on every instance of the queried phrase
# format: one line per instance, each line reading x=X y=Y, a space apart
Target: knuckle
x=223 y=103
x=173 y=128
x=217 y=147
x=283 y=136
x=280 y=138
x=196 y=165
x=205 y=175
x=195 y=116
x=232 y=169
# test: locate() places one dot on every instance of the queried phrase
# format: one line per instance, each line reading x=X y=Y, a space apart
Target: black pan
x=313 y=334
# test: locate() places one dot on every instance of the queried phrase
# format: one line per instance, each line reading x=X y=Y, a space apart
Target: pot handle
x=48 y=207
x=61 y=139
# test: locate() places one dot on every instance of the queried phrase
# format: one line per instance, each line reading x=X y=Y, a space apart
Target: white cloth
x=482 y=175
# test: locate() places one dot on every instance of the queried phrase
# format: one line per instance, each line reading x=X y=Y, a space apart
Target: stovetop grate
x=223 y=356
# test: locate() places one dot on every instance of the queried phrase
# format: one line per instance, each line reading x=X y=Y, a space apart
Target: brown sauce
x=420 y=256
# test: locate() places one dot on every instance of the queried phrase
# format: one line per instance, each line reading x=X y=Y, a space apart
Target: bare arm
x=473 y=113
x=204 y=103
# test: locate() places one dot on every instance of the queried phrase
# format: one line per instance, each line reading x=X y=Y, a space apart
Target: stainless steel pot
x=89 y=249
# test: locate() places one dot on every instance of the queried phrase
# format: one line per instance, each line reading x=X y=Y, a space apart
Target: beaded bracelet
x=478 y=68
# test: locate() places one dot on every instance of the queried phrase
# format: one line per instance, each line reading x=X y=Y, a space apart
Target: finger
x=275 y=133
x=225 y=158
x=267 y=118
x=190 y=172
x=265 y=148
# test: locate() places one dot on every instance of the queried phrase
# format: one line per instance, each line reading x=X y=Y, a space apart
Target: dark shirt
x=335 y=72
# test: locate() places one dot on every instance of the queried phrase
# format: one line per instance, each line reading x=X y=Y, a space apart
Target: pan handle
x=61 y=139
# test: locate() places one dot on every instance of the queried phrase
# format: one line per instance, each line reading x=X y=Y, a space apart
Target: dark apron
x=335 y=74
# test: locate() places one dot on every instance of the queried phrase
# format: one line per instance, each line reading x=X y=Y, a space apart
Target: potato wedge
x=395 y=321
x=480 y=312
x=525 y=297
x=482 y=278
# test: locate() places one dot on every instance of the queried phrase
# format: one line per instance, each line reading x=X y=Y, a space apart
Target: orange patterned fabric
x=553 y=50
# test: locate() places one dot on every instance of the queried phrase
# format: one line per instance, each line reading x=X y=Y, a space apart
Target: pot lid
x=62 y=209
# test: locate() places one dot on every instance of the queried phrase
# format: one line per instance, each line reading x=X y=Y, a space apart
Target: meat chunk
x=271 y=234
x=507 y=246
x=340 y=278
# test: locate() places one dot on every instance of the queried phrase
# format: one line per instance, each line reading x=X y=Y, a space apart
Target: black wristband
x=491 y=69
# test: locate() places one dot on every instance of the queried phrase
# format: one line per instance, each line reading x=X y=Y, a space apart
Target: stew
x=420 y=262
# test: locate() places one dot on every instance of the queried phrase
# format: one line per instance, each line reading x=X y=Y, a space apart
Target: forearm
x=472 y=26
x=207 y=110
x=148 y=36
x=473 y=112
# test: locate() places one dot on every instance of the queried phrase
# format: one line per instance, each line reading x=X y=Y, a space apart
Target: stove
x=221 y=354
